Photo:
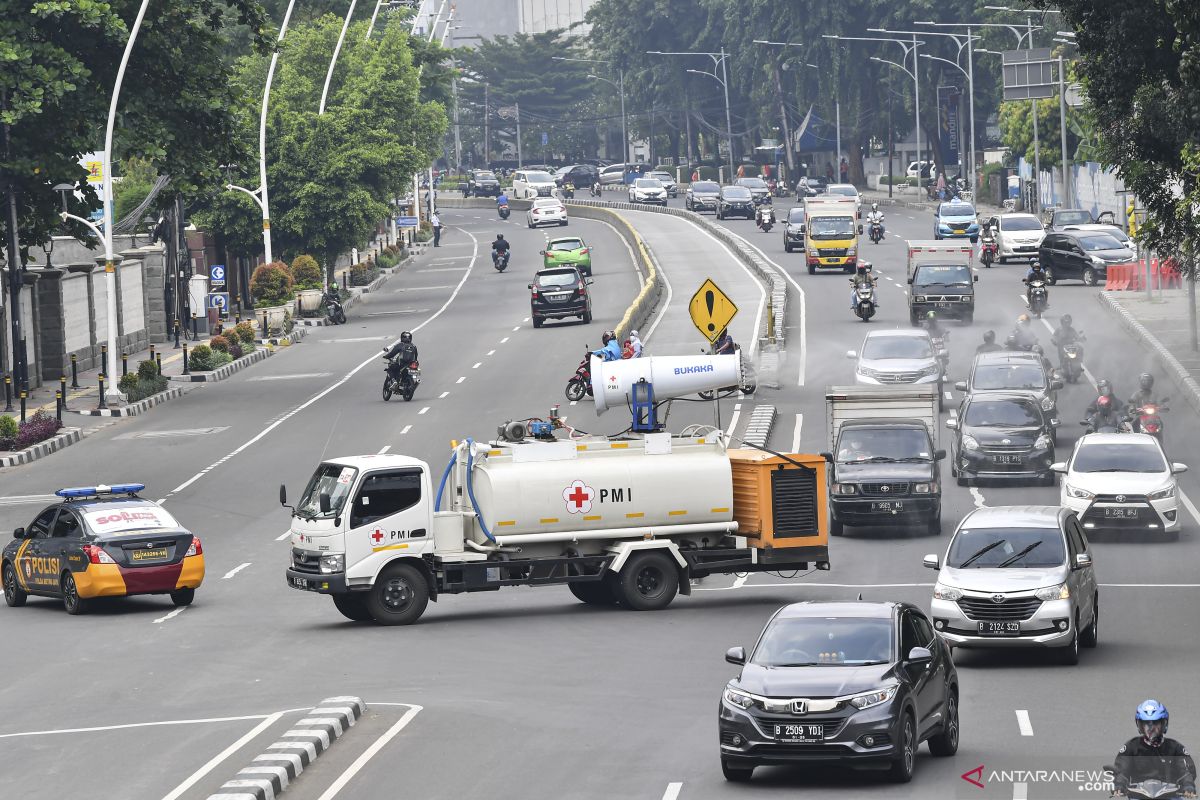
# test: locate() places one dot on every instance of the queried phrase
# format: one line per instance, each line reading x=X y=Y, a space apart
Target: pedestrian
x=828 y=172
x=436 y=222
x=941 y=186
x=845 y=171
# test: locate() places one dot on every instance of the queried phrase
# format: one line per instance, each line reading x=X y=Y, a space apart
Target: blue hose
x=471 y=490
x=437 y=504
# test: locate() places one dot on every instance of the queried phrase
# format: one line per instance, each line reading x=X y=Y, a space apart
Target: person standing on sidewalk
x=436 y=223
x=844 y=169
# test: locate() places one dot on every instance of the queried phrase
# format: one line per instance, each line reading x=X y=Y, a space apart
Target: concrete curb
x=269 y=774
x=758 y=430
x=1167 y=362
x=221 y=373
x=133 y=409
x=68 y=437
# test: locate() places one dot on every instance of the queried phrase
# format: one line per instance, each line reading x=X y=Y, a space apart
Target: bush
x=362 y=274
x=37 y=428
x=128 y=383
x=235 y=350
x=220 y=359
x=271 y=284
x=201 y=358
x=246 y=346
x=245 y=331
x=8 y=432
x=306 y=273
x=140 y=388
x=148 y=369
x=387 y=259
x=219 y=343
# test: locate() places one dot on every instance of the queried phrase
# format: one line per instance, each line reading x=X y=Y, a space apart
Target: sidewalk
x=911 y=197
x=1160 y=324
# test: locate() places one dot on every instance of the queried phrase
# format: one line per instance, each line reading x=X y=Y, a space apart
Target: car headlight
x=919 y=298
x=943 y=592
x=932 y=369
x=1059 y=592
x=867 y=372
x=874 y=698
x=333 y=563
x=925 y=488
x=1099 y=262
x=845 y=488
x=1164 y=493
x=738 y=698
x=943 y=227
x=969 y=442
x=1077 y=493
x=1047 y=403
x=1043 y=442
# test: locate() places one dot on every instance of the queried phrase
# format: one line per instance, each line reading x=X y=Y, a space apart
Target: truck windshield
x=943 y=275
x=1073 y=217
x=882 y=444
x=826 y=228
x=331 y=479
x=827 y=641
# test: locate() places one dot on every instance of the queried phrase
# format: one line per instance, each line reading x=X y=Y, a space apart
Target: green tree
x=138 y=177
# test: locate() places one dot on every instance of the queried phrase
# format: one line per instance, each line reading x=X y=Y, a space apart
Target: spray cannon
x=626 y=382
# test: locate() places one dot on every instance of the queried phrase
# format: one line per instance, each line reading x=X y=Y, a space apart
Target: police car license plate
x=149 y=555
x=999 y=628
x=887 y=505
x=800 y=734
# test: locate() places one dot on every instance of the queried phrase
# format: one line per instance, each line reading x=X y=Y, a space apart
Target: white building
x=539 y=16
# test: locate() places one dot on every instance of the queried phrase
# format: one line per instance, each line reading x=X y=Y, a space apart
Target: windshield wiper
x=1018 y=556
x=798 y=664
x=980 y=552
x=1116 y=469
x=911 y=458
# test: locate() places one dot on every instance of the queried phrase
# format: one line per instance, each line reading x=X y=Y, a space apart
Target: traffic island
x=269 y=774
x=133 y=409
x=64 y=438
x=223 y=372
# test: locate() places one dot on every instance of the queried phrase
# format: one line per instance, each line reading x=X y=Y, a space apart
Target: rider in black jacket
x=1152 y=756
x=400 y=356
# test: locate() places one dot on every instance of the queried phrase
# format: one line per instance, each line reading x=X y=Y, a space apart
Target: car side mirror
x=850 y=354
x=932 y=561
x=938 y=455
x=541 y=252
x=1054 y=423
x=18 y=533
x=589 y=281
x=1082 y=560
x=1060 y=467
x=952 y=424
x=975 y=278
x=326 y=505
x=1177 y=468
x=960 y=386
x=282 y=495
x=1055 y=385
x=736 y=655
x=529 y=286
x=910 y=280
x=919 y=657
x=860 y=229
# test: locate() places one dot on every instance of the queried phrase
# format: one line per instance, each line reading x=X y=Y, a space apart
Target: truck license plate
x=999 y=628
x=887 y=505
x=941 y=305
x=800 y=734
x=301 y=583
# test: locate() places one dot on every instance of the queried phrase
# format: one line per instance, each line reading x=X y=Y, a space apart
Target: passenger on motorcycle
x=636 y=344
x=989 y=343
x=862 y=277
x=1023 y=333
x=611 y=351
x=500 y=245
x=1152 y=756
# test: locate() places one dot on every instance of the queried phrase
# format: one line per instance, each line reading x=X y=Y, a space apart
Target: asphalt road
x=528 y=693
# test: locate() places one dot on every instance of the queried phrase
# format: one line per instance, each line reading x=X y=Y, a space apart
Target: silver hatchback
x=1017 y=576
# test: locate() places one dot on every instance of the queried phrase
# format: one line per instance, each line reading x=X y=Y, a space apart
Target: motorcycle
x=1039 y=297
x=405 y=385
x=1112 y=423
x=579 y=385
x=864 y=307
x=337 y=314
x=596 y=189
x=500 y=260
x=503 y=211
x=568 y=192
x=876 y=232
x=766 y=220
x=989 y=250
x=1147 y=418
x=1148 y=789
x=1070 y=359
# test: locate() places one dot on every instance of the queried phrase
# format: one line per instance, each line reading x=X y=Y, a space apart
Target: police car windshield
x=331 y=479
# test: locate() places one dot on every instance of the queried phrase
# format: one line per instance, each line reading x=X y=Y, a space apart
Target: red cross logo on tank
x=578 y=497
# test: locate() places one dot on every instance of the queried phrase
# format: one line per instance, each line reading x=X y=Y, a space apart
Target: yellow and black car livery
x=102 y=541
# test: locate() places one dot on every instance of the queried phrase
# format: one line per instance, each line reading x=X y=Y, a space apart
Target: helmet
x=406 y=337
x=633 y=334
x=333 y=286
x=1150 y=712
x=1146 y=381
x=874 y=206
x=989 y=337
x=1023 y=319
x=608 y=337
x=500 y=237
x=1103 y=402
x=1065 y=321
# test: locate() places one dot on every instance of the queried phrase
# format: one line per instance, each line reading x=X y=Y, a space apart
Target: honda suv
x=558 y=292
x=855 y=683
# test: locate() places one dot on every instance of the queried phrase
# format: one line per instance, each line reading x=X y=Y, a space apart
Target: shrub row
x=38 y=427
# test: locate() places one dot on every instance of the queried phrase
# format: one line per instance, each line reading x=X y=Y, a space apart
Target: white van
x=528 y=184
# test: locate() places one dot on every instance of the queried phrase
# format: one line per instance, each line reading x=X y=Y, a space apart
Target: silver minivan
x=1017 y=576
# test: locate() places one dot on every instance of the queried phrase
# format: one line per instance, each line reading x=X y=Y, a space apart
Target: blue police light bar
x=95 y=491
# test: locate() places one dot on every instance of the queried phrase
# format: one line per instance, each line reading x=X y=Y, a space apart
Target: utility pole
x=520 y=161
x=1062 y=124
x=1037 y=152
x=15 y=267
x=783 y=121
x=487 y=131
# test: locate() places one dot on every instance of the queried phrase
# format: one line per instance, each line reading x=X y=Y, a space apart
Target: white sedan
x=546 y=211
x=1121 y=482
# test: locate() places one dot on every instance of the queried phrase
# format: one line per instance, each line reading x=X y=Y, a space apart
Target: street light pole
x=262 y=199
x=620 y=86
x=718 y=59
x=337 y=48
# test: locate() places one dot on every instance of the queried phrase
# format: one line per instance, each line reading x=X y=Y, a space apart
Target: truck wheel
x=648 y=582
x=352 y=606
x=594 y=593
x=399 y=595
x=812 y=270
x=836 y=528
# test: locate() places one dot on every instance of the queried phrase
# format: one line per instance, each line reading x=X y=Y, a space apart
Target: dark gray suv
x=855 y=683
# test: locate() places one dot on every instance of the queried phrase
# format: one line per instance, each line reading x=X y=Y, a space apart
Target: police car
x=102 y=541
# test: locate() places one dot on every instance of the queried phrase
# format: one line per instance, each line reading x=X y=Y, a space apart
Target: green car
x=568 y=250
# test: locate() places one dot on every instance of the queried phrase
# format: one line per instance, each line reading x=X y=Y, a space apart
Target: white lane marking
x=398 y=311
x=423 y=410
x=171 y=614
x=517 y=328
x=477 y=365
x=1046 y=322
x=491 y=352
x=443 y=395
x=30 y=499
x=355 y=339
x=294 y=377
x=1151 y=585
x=283 y=536
x=949 y=396
x=819 y=586
x=446 y=269
x=1091 y=379
x=666 y=303
x=1020 y=791
x=1023 y=722
x=978 y=497
x=505 y=339
x=422 y=288
x=628 y=249
x=128 y=725
x=525 y=320
x=672 y=792
x=369 y=753
x=796 y=433
x=733 y=421
x=285 y=417
x=740 y=581
x=460 y=380
x=406 y=429
x=573 y=402
x=384 y=449
x=1187 y=503
x=236 y=570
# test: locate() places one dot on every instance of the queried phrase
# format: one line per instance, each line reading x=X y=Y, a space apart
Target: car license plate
x=800 y=734
x=1121 y=513
x=1006 y=459
x=959 y=230
x=149 y=555
x=887 y=505
x=1004 y=628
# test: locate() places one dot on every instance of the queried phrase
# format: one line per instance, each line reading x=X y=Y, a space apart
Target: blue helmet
x=1152 y=711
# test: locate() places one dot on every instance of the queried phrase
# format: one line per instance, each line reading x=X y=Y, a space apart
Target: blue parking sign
x=216 y=274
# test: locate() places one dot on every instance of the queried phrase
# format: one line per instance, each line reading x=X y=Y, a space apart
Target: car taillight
x=585 y=251
x=535 y=292
x=96 y=554
x=414 y=365
x=195 y=549
x=1151 y=428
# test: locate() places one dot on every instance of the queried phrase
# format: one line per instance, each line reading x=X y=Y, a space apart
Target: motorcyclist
x=931 y=324
x=1105 y=390
x=1105 y=415
x=1066 y=333
x=501 y=199
x=500 y=245
x=568 y=190
x=331 y=294
x=761 y=214
x=400 y=356
x=989 y=343
x=611 y=351
x=724 y=344
x=1145 y=392
x=1152 y=756
x=875 y=216
x=1035 y=273
x=864 y=277
x=1023 y=333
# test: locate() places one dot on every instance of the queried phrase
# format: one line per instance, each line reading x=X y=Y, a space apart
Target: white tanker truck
x=626 y=520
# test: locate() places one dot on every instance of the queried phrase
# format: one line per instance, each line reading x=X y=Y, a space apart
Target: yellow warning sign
x=711 y=310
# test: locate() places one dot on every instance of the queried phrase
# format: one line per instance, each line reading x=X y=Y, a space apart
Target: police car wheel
x=14 y=595
x=183 y=597
x=72 y=602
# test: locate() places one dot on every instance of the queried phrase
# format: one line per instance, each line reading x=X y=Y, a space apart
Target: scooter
x=568 y=192
x=503 y=211
x=596 y=189
x=864 y=307
x=579 y=385
x=876 y=232
x=1147 y=418
x=987 y=253
x=1070 y=359
x=337 y=314
x=501 y=260
x=1149 y=789
x=407 y=383
x=1110 y=424
x=1039 y=298
x=766 y=219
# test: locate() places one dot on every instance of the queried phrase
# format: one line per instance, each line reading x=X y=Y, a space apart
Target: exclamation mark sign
x=710 y=300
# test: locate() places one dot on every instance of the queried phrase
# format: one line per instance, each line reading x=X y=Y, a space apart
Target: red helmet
x=1103 y=402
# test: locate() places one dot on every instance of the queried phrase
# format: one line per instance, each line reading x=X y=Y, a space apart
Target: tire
x=945 y=744
x=1069 y=655
x=576 y=389
x=593 y=593
x=183 y=597
x=736 y=774
x=352 y=607
x=812 y=270
x=1091 y=636
x=586 y=317
x=1089 y=277
x=902 y=767
x=387 y=390
x=399 y=595
x=14 y=595
x=961 y=480
x=563 y=224
x=836 y=527
x=1050 y=279
x=787 y=248
x=934 y=526
x=408 y=394
x=1001 y=260
x=72 y=602
x=341 y=317
x=537 y=322
x=649 y=582
x=969 y=318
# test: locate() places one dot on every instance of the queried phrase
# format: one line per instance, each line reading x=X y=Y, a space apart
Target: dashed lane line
x=796 y=433
x=283 y=536
x=477 y=365
x=443 y=395
x=673 y=789
x=171 y=614
x=491 y=352
x=384 y=449
x=460 y=380
x=505 y=339
x=977 y=496
x=1187 y=503
x=423 y=410
x=733 y=421
x=1023 y=722
x=236 y=570
x=405 y=429
x=159 y=723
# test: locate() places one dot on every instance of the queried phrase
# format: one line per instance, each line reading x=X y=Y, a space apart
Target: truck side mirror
x=910 y=280
x=827 y=456
x=938 y=455
x=736 y=655
x=18 y=533
x=282 y=495
x=324 y=502
x=960 y=386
